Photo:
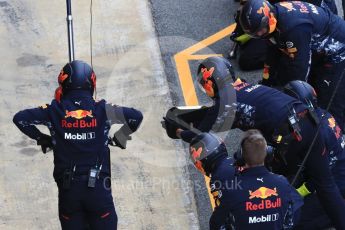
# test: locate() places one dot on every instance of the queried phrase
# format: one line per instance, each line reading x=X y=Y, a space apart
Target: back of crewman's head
x=254 y=148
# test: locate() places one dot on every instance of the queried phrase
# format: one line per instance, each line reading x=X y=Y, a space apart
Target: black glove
x=233 y=36
x=119 y=140
x=238 y=31
x=45 y=141
x=170 y=126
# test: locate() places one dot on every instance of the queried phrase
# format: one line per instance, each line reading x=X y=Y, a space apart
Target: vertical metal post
x=70 y=31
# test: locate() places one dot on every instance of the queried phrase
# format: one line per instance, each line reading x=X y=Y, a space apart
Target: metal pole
x=70 y=31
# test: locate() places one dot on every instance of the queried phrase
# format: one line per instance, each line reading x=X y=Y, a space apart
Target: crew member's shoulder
x=47 y=106
x=100 y=102
x=44 y=106
x=225 y=170
x=278 y=178
x=289 y=16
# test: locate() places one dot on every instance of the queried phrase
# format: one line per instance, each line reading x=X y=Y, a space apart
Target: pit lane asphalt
x=180 y=24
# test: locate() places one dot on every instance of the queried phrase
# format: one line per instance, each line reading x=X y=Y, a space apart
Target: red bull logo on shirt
x=263 y=193
x=79 y=115
x=287 y=5
x=333 y=125
x=239 y=84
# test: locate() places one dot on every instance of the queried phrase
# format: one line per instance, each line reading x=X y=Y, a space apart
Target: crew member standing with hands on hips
x=79 y=128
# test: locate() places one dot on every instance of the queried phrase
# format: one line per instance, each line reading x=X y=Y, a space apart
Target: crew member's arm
x=129 y=117
x=221 y=213
x=219 y=217
x=26 y=121
x=244 y=120
x=295 y=202
x=270 y=71
x=296 y=58
x=204 y=126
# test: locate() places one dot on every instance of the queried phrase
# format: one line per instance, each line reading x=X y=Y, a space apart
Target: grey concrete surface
x=154 y=185
x=151 y=186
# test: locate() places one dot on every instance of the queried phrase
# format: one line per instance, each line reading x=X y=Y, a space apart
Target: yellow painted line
x=185 y=76
x=210 y=40
x=186 y=80
x=202 y=57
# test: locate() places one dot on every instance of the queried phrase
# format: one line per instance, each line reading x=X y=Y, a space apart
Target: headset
x=238 y=155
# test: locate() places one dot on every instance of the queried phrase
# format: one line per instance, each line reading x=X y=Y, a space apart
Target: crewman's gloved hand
x=120 y=140
x=303 y=190
x=233 y=36
x=45 y=141
x=170 y=126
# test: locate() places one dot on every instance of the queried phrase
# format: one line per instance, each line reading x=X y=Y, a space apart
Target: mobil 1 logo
x=80 y=136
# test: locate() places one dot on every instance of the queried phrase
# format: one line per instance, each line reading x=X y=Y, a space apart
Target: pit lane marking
x=185 y=76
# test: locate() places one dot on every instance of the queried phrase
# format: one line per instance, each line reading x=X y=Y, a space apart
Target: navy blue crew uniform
x=252 y=52
x=262 y=202
x=330 y=130
x=334 y=143
x=249 y=199
x=308 y=43
x=267 y=109
x=313 y=216
x=79 y=128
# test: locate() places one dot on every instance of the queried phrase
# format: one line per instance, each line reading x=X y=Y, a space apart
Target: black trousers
x=252 y=55
x=81 y=207
x=313 y=214
x=324 y=78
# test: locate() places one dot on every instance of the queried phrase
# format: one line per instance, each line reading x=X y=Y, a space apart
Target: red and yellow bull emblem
x=196 y=153
x=79 y=122
x=216 y=195
x=206 y=83
x=206 y=74
x=331 y=122
x=287 y=5
x=265 y=10
x=62 y=77
x=333 y=125
x=239 y=84
x=196 y=156
x=272 y=21
x=78 y=114
x=263 y=193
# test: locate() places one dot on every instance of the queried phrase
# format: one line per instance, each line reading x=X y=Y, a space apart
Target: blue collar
x=256 y=171
x=78 y=94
